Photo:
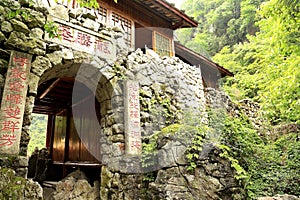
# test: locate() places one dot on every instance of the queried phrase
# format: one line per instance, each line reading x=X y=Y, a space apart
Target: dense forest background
x=259 y=41
x=38 y=130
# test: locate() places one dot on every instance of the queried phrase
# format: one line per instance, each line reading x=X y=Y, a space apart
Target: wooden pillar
x=69 y=115
x=50 y=133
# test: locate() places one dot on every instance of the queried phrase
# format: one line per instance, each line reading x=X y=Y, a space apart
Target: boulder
x=280 y=197
x=12 y=4
x=35 y=19
x=40 y=65
x=13 y=187
x=76 y=186
x=58 y=11
x=6 y=27
x=17 y=40
x=37 y=33
x=19 y=26
x=55 y=57
x=2 y=37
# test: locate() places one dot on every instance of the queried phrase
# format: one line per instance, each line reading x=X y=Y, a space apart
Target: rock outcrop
x=76 y=186
x=14 y=187
x=280 y=197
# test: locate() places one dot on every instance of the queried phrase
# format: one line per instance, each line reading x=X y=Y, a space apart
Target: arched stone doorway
x=77 y=103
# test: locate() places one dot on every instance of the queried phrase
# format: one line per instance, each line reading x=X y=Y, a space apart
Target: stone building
x=108 y=79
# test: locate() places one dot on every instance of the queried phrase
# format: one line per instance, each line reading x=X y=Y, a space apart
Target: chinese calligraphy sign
x=81 y=39
x=13 y=102
x=133 y=141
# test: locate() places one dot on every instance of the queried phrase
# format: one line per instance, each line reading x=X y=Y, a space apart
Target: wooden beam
x=177 y=12
x=191 y=54
x=60 y=112
x=177 y=25
x=51 y=105
x=78 y=164
x=49 y=88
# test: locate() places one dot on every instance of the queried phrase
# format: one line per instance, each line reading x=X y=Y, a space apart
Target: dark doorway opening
x=72 y=142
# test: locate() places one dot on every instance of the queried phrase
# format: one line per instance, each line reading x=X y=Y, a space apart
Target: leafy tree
x=221 y=23
x=271 y=165
x=265 y=58
x=38 y=130
x=267 y=67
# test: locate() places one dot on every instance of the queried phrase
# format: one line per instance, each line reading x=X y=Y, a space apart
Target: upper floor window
x=102 y=15
x=162 y=45
x=125 y=24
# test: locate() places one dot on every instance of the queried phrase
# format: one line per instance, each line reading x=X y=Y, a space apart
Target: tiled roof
x=196 y=59
x=168 y=11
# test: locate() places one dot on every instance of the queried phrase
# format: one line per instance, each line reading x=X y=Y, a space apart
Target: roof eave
x=211 y=63
x=179 y=13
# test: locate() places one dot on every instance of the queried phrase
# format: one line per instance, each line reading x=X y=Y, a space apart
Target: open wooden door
x=72 y=139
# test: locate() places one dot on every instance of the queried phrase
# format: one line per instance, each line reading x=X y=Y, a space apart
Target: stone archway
x=101 y=83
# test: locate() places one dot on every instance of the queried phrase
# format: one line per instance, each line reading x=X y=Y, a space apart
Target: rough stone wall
x=168 y=87
x=13 y=187
x=219 y=100
x=213 y=178
x=23 y=34
x=26 y=31
x=280 y=197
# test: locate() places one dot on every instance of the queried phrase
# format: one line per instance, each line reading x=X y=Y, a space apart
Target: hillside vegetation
x=38 y=129
x=260 y=42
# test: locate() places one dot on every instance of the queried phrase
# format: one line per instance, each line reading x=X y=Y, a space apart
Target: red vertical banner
x=133 y=138
x=13 y=102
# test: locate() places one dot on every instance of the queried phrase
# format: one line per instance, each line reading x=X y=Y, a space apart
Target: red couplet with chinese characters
x=13 y=102
x=133 y=143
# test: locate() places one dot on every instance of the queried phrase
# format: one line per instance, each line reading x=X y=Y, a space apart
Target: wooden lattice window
x=102 y=15
x=162 y=45
x=125 y=24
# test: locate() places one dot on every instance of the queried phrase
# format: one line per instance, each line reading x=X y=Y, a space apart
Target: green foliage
x=149 y=151
x=194 y=132
x=241 y=174
x=38 y=130
x=161 y=106
x=238 y=143
x=267 y=68
x=276 y=169
x=52 y=29
x=89 y=3
x=190 y=132
x=25 y=14
x=195 y=148
x=221 y=23
x=265 y=167
x=264 y=55
x=150 y=145
x=13 y=187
